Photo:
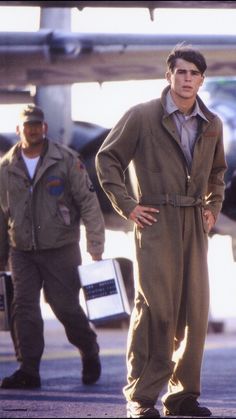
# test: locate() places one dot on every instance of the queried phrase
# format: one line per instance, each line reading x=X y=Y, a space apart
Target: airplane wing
x=50 y=57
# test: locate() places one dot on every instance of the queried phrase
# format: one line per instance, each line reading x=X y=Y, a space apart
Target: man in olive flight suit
x=44 y=193
x=176 y=146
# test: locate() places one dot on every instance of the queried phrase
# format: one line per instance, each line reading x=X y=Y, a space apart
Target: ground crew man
x=176 y=146
x=44 y=193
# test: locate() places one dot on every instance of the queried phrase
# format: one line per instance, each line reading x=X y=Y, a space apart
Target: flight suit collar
x=169 y=124
x=171 y=107
x=208 y=115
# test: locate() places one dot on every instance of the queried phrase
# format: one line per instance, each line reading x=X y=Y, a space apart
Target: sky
x=134 y=20
x=194 y=21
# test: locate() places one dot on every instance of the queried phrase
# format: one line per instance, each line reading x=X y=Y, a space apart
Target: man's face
x=32 y=133
x=185 y=80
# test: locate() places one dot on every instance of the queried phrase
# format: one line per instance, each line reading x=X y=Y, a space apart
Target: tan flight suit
x=172 y=295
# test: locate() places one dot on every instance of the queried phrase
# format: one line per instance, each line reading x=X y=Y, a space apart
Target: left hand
x=210 y=219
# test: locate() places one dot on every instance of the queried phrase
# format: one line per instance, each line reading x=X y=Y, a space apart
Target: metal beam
x=15 y=96
x=56 y=57
x=151 y=5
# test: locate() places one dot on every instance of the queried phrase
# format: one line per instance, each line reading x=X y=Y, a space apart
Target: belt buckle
x=177 y=200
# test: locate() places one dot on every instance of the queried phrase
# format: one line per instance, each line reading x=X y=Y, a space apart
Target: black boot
x=21 y=380
x=91 y=369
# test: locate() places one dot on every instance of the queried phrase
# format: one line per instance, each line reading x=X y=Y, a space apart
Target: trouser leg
x=26 y=319
x=193 y=319
x=172 y=297
x=59 y=269
x=149 y=366
x=158 y=297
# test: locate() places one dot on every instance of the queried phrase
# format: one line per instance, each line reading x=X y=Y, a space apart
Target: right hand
x=144 y=216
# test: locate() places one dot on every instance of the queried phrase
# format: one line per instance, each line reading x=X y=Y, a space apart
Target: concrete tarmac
x=64 y=396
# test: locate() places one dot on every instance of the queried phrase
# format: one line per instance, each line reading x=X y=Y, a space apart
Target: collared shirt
x=187 y=126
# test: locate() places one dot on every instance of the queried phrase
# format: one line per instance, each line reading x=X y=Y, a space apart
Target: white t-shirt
x=31 y=164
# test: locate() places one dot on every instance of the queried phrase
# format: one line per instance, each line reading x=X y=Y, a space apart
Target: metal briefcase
x=103 y=294
x=6 y=295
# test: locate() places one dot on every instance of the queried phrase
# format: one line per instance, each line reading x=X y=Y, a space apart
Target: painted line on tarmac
x=67 y=354
x=50 y=355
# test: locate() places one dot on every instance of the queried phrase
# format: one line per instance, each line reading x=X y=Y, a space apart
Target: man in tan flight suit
x=45 y=192
x=176 y=146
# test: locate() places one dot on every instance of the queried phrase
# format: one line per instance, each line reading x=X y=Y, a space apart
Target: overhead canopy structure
x=151 y=5
x=54 y=57
x=50 y=57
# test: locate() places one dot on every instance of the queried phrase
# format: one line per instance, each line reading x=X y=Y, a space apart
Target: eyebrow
x=183 y=70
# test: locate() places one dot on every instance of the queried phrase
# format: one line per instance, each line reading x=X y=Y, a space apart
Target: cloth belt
x=176 y=200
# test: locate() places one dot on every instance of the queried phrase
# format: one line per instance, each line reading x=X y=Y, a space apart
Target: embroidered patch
x=55 y=185
x=91 y=187
x=210 y=134
x=80 y=165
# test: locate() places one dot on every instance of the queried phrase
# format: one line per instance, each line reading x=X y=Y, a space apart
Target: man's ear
x=168 y=76
x=18 y=129
x=45 y=127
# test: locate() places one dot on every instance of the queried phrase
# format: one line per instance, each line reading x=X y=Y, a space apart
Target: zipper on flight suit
x=31 y=190
x=33 y=235
x=188 y=180
x=188 y=176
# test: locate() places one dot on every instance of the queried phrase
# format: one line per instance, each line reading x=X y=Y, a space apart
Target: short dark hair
x=187 y=53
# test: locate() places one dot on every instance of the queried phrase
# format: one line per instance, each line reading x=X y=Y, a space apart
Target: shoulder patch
x=80 y=166
x=91 y=187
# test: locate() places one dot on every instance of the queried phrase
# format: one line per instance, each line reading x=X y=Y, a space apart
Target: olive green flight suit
x=40 y=222
x=172 y=295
